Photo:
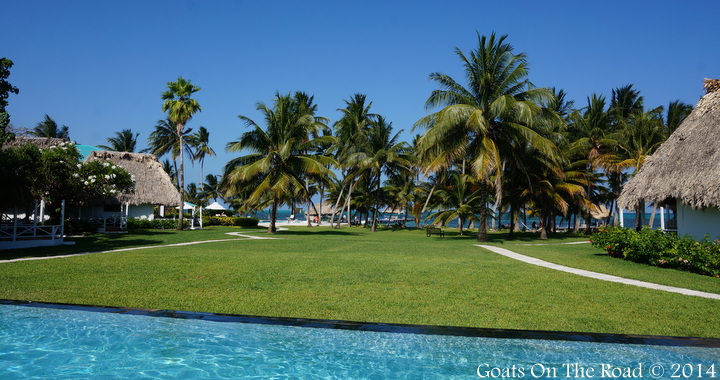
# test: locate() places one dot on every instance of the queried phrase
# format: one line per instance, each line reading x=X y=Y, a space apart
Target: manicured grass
x=584 y=256
x=353 y=274
x=102 y=242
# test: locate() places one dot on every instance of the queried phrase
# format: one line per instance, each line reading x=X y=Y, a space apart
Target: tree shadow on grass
x=323 y=232
x=502 y=237
x=92 y=243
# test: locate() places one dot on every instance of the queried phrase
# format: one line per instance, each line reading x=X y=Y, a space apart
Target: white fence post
x=662 y=218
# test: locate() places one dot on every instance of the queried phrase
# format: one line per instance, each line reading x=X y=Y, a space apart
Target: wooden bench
x=434 y=231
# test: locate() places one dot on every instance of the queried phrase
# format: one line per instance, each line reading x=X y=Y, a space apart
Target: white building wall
x=698 y=223
x=141 y=212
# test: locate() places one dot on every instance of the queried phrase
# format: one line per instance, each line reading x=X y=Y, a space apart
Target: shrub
x=159 y=224
x=657 y=248
x=231 y=221
x=79 y=227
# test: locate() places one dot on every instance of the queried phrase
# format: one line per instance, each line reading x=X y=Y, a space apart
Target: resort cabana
x=684 y=173
x=153 y=187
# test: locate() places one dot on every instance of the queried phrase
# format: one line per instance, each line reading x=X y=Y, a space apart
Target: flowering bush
x=657 y=248
x=56 y=173
x=231 y=221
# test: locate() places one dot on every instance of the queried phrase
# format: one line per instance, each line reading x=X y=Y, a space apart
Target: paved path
x=596 y=275
x=570 y=243
x=243 y=237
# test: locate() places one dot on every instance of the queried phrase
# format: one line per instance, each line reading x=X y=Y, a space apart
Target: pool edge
x=388 y=327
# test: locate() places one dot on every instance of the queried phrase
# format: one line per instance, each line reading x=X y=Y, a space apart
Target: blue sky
x=101 y=66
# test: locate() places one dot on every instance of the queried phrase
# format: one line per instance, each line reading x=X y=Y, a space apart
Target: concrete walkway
x=243 y=237
x=596 y=275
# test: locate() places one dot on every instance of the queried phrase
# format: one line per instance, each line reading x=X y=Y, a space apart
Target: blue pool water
x=55 y=343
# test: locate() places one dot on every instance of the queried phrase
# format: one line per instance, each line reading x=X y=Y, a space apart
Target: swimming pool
x=57 y=343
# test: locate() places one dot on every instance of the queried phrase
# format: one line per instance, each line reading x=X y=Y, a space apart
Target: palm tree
x=164 y=139
x=278 y=165
x=170 y=170
x=124 y=141
x=49 y=128
x=383 y=154
x=640 y=138
x=677 y=112
x=211 y=187
x=459 y=199
x=483 y=122
x=202 y=148
x=180 y=108
x=350 y=137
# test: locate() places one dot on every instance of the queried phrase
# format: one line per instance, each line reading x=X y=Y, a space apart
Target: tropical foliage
x=281 y=161
x=491 y=144
x=123 y=141
x=181 y=107
x=49 y=128
x=55 y=174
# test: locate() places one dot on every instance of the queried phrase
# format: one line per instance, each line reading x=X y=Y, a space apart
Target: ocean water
x=629 y=219
x=69 y=344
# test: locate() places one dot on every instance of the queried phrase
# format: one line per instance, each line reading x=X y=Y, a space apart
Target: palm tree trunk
x=349 y=199
x=494 y=223
x=639 y=214
x=543 y=229
x=427 y=200
x=460 y=224
x=273 y=216
x=652 y=216
x=337 y=203
x=512 y=222
x=322 y=196
x=588 y=219
x=482 y=228
x=307 y=212
x=181 y=178
x=377 y=205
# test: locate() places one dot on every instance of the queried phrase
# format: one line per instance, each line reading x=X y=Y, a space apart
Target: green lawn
x=353 y=274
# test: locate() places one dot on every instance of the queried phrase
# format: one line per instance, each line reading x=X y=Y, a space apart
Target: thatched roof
x=152 y=184
x=40 y=142
x=686 y=166
x=327 y=208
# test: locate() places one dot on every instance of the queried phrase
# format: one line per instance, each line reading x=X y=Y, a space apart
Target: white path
x=243 y=237
x=596 y=275
x=570 y=243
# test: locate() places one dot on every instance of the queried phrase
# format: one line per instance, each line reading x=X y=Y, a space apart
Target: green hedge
x=661 y=249
x=237 y=221
x=159 y=224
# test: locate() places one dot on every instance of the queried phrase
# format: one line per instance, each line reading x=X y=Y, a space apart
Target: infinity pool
x=55 y=343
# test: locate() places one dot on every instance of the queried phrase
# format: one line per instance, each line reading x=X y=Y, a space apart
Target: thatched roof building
x=152 y=184
x=327 y=208
x=40 y=142
x=686 y=167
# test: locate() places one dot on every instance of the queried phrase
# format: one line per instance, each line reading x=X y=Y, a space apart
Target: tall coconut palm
x=640 y=138
x=49 y=128
x=201 y=142
x=164 y=140
x=278 y=163
x=350 y=137
x=383 y=154
x=124 y=141
x=483 y=121
x=180 y=107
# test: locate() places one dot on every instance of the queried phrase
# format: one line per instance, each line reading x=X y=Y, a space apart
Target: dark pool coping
x=388 y=327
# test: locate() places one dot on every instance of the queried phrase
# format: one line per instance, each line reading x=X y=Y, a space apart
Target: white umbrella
x=188 y=206
x=215 y=206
